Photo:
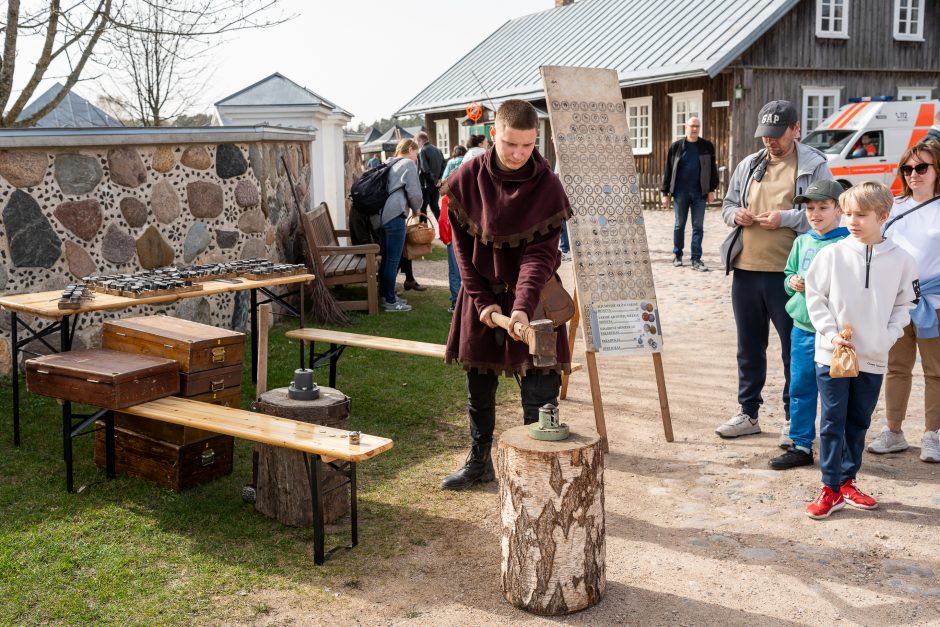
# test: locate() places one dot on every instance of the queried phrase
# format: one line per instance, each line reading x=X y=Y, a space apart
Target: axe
x=539 y=335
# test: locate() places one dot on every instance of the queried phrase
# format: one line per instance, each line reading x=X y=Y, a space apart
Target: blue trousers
x=564 y=243
x=847 y=405
x=453 y=273
x=803 y=390
x=392 y=245
x=758 y=298
x=682 y=202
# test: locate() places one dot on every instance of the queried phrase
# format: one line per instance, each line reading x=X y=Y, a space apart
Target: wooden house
x=720 y=60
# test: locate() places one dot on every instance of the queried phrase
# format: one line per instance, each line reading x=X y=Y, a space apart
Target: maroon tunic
x=506 y=226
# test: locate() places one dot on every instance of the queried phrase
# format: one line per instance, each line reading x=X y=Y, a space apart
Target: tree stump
x=551 y=498
x=282 y=489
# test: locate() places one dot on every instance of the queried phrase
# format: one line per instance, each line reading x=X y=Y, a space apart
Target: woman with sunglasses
x=914 y=225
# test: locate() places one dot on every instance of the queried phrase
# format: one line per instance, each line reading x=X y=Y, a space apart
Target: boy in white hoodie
x=869 y=283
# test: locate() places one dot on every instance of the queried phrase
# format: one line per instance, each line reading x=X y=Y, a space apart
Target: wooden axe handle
x=522 y=330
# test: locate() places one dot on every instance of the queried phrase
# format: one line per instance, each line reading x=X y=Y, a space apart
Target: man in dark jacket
x=934 y=132
x=691 y=178
x=430 y=169
x=506 y=208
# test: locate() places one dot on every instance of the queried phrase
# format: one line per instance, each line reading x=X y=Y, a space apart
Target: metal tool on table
x=549 y=427
x=539 y=335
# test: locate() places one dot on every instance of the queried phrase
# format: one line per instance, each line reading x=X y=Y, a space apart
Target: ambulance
x=865 y=139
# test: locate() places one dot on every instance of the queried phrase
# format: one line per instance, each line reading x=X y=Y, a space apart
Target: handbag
x=844 y=360
x=418 y=232
x=555 y=303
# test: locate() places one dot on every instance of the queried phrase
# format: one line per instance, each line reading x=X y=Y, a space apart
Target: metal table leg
x=347 y=469
x=15 y=375
x=252 y=312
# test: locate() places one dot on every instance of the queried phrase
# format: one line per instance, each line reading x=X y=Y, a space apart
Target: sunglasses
x=920 y=168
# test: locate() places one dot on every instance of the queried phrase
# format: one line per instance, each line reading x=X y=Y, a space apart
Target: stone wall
x=68 y=212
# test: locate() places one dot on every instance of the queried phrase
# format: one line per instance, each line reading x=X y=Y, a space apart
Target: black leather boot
x=478 y=468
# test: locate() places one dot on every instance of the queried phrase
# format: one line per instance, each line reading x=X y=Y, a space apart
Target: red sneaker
x=855 y=497
x=826 y=503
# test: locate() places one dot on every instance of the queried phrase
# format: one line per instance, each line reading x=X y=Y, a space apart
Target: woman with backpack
x=404 y=194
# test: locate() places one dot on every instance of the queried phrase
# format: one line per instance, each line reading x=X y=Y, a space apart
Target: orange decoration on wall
x=474 y=111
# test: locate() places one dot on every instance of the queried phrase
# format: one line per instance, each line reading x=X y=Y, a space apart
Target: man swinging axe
x=506 y=210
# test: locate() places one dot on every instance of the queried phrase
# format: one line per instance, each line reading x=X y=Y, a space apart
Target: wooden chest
x=194 y=346
x=207 y=381
x=103 y=378
x=175 y=466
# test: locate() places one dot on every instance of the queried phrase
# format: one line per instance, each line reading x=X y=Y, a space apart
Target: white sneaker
x=396 y=306
x=888 y=442
x=930 y=447
x=738 y=425
x=785 y=442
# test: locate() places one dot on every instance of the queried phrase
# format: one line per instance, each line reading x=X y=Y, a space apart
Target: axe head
x=542 y=345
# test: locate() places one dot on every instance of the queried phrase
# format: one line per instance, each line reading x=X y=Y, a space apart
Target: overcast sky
x=368 y=56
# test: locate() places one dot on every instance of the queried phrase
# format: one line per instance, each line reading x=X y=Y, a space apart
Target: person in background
x=865 y=148
x=474 y=147
x=430 y=172
x=374 y=162
x=914 y=225
x=760 y=202
x=691 y=178
x=868 y=283
x=934 y=131
x=822 y=208
x=404 y=195
x=444 y=230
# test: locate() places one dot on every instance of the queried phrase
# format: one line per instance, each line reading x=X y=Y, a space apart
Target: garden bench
x=318 y=443
x=339 y=340
x=334 y=264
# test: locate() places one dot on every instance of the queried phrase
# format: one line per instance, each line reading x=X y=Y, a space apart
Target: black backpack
x=370 y=192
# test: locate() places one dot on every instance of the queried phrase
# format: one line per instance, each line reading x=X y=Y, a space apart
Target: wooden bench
x=334 y=264
x=318 y=443
x=339 y=340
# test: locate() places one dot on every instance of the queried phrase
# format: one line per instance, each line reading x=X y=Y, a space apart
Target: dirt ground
x=699 y=531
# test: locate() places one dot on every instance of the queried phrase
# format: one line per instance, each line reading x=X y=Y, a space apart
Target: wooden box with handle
x=196 y=347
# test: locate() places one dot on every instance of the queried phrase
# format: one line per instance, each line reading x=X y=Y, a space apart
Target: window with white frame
x=914 y=93
x=442 y=134
x=463 y=134
x=909 y=20
x=640 y=121
x=818 y=104
x=685 y=105
x=832 y=19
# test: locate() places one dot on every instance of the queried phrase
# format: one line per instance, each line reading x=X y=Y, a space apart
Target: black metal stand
x=317 y=475
x=70 y=431
x=271 y=298
x=316 y=360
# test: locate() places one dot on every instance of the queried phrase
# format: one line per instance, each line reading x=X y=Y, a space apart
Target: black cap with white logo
x=775 y=118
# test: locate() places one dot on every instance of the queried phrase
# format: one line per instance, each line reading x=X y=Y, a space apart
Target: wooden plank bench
x=339 y=340
x=318 y=443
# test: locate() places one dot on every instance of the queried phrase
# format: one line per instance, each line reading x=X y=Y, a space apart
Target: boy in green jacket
x=823 y=211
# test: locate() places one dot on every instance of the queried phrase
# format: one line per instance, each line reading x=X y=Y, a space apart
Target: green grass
x=128 y=552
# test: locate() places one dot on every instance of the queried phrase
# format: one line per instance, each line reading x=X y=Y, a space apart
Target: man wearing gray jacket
x=758 y=205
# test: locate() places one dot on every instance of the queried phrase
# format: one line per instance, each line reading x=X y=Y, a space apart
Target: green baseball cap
x=823 y=189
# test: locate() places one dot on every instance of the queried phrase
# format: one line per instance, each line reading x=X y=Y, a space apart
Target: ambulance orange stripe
x=925 y=115
x=917 y=135
x=896 y=187
x=880 y=168
x=850 y=114
x=844 y=114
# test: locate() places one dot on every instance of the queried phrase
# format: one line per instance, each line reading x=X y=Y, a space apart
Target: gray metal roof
x=645 y=41
x=277 y=90
x=73 y=112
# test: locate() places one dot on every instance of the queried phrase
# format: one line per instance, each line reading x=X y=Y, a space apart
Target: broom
x=325 y=308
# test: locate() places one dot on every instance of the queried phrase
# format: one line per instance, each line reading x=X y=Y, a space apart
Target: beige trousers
x=898 y=380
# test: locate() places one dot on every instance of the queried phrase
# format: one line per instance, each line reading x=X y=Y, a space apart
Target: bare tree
x=158 y=67
x=74 y=34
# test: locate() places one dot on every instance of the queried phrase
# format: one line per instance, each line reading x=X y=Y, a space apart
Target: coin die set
x=171 y=280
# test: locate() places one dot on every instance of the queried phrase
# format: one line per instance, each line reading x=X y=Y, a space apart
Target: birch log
x=552 y=507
